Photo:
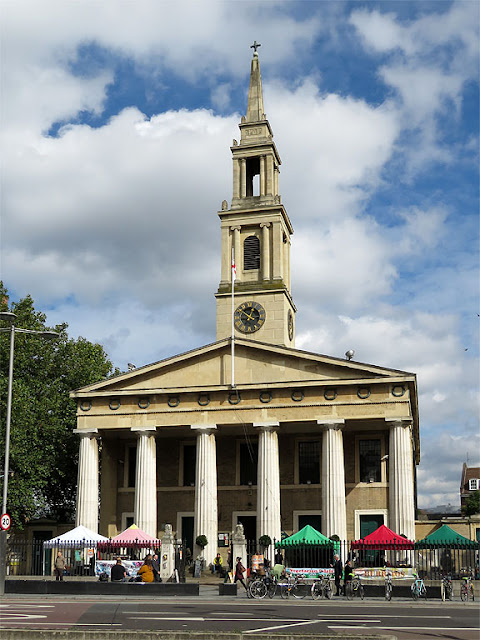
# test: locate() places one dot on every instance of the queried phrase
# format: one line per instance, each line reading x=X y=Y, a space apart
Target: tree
x=472 y=504
x=43 y=447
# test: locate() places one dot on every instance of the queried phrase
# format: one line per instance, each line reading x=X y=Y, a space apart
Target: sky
x=116 y=124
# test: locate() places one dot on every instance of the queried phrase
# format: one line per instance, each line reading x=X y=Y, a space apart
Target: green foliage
x=472 y=504
x=201 y=541
x=264 y=541
x=43 y=447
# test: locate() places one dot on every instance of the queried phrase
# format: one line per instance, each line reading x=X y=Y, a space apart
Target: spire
x=255 y=111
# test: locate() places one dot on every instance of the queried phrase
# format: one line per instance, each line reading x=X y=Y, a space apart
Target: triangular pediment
x=255 y=363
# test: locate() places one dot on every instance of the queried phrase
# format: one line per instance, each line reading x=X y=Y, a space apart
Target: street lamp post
x=11 y=317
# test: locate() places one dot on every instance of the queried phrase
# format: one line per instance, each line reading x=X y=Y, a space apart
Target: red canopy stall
x=383 y=539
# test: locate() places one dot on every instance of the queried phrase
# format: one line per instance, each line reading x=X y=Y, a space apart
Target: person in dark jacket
x=337 y=572
x=347 y=574
x=118 y=572
x=239 y=571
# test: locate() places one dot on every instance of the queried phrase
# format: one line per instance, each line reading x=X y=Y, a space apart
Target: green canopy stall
x=444 y=551
x=308 y=548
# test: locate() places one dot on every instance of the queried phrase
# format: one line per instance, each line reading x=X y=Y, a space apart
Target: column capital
x=399 y=422
x=86 y=432
x=264 y=224
x=266 y=426
x=207 y=428
x=236 y=228
x=335 y=424
x=140 y=430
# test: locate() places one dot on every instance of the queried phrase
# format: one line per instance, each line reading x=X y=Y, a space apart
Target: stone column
x=262 y=175
x=277 y=171
x=268 y=482
x=206 y=509
x=401 y=484
x=87 y=483
x=334 y=516
x=277 y=250
x=243 y=178
x=270 y=176
x=145 y=510
x=237 y=252
x=265 y=250
x=236 y=178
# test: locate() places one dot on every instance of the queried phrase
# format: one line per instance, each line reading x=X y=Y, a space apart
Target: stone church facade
x=257 y=431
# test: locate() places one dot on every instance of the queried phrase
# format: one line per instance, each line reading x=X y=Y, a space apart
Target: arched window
x=251 y=253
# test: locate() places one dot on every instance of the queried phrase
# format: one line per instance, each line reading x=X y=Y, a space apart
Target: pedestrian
x=278 y=557
x=239 y=571
x=59 y=566
x=337 y=572
x=118 y=572
x=156 y=567
x=347 y=575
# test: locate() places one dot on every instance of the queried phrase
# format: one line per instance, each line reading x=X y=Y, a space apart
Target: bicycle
x=446 y=588
x=293 y=588
x=257 y=589
x=354 y=587
x=466 y=590
x=418 y=589
x=388 y=586
x=321 y=587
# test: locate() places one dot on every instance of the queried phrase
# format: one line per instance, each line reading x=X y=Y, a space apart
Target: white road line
x=369 y=615
x=282 y=626
x=75 y=624
x=407 y=628
x=7 y=617
x=27 y=606
x=182 y=619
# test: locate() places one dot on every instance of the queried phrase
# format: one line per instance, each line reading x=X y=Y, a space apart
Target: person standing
x=239 y=571
x=347 y=575
x=59 y=566
x=337 y=572
x=156 y=567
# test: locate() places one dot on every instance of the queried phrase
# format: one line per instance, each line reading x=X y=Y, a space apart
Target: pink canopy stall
x=133 y=537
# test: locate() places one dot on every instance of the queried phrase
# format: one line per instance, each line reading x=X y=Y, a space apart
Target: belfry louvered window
x=251 y=253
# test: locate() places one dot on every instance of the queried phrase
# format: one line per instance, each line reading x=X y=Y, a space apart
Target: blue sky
x=110 y=108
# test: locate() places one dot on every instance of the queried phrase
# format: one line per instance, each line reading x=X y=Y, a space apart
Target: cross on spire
x=255 y=46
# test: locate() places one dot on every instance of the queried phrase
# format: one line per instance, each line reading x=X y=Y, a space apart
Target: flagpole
x=233 y=317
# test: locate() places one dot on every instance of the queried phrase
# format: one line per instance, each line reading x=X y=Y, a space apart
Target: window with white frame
x=473 y=484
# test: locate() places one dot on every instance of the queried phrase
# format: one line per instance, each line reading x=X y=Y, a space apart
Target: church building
x=249 y=429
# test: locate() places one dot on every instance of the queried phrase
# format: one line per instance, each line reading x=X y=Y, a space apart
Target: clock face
x=290 y=324
x=249 y=317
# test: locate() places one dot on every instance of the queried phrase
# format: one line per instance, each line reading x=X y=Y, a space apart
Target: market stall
x=308 y=552
x=446 y=552
x=78 y=546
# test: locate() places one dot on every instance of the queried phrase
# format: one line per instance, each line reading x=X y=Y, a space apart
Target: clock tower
x=256 y=230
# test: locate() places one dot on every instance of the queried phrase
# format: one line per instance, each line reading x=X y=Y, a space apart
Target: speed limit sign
x=5 y=522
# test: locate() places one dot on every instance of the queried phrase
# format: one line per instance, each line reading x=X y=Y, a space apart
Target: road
x=403 y=619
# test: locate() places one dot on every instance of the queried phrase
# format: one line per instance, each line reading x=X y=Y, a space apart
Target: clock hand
x=249 y=317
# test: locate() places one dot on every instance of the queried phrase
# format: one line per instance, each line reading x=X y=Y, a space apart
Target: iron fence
x=27 y=557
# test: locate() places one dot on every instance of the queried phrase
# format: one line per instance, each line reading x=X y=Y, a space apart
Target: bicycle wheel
x=449 y=591
x=285 y=591
x=388 y=592
x=272 y=589
x=298 y=591
x=316 y=590
x=443 y=592
x=361 y=591
x=260 y=589
x=327 y=592
x=251 y=589
x=463 y=592
x=349 y=591
x=414 y=592
x=472 y=592
x=423 y=592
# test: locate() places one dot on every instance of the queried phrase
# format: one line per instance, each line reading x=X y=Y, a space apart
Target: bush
x=201 y=541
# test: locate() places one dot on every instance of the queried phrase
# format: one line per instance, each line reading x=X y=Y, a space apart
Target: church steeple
x=255 y=110
x=257 y=227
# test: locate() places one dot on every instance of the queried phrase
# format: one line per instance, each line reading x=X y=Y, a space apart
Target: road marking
x=282 y=626
x=407 y=628
x=182 y=619
x=27 y=606
x=75 y=624
x=7 y=617
x=370 y=615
